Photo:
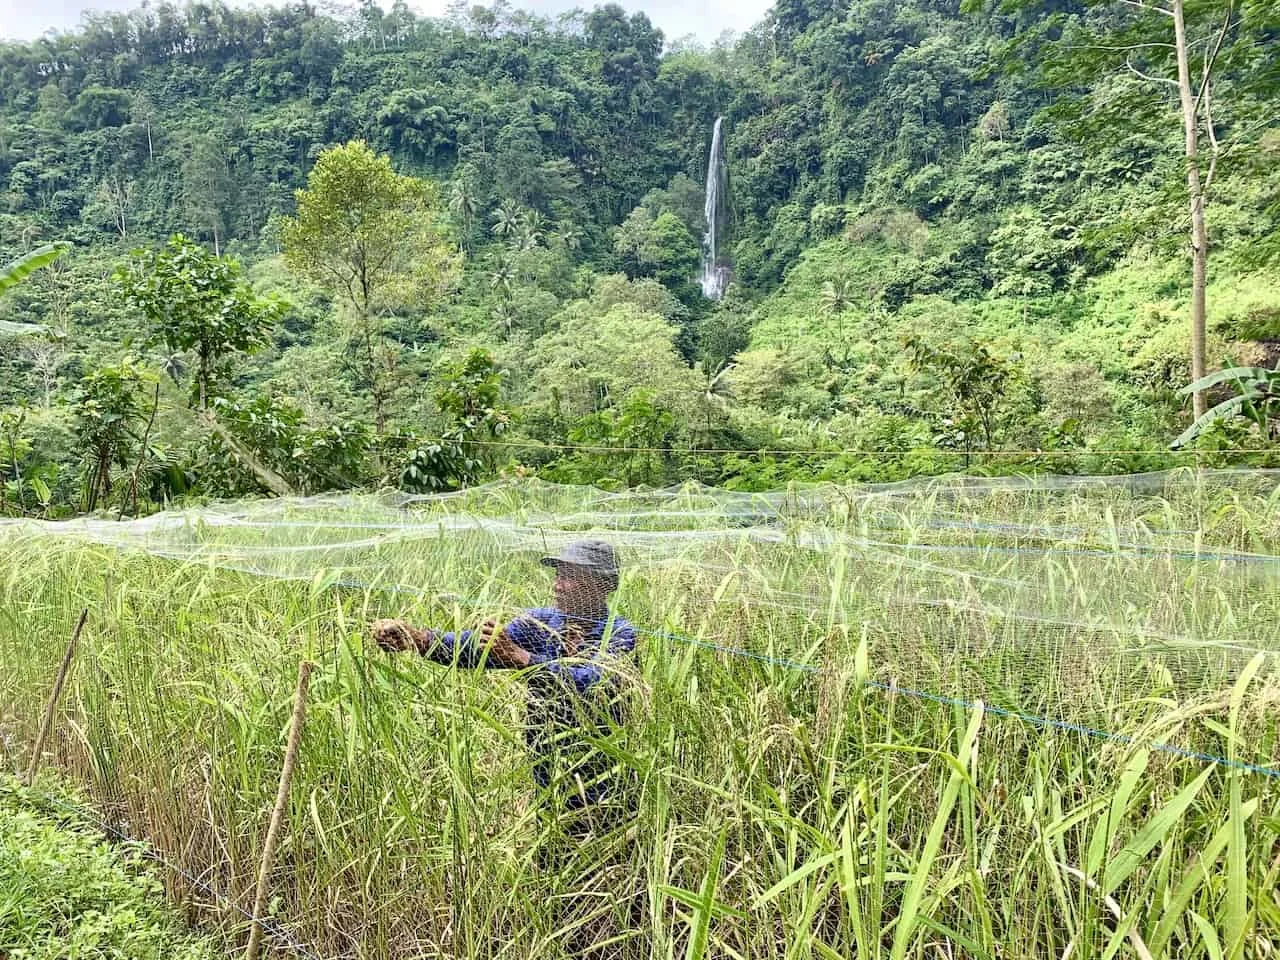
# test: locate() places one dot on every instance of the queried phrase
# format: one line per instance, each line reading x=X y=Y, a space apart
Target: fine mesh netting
x=1087 y=600
x=777 y=693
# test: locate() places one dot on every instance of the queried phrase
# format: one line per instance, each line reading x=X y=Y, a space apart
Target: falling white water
x=715 y=268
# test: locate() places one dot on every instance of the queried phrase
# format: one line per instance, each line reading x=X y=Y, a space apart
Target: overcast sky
x=707 y=19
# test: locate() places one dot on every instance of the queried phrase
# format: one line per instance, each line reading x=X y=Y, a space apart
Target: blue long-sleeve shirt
x=569 y=694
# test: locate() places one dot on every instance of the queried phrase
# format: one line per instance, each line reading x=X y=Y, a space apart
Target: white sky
x=706 y=19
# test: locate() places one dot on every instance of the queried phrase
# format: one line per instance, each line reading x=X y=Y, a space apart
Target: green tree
x=52 y=105
x=594 y=361
x=976 y=385
x=1160 y=66
x=15 y=446
x=109 y=411
x=639 y=429
x=265 y=442
x=97 y=107
x=470 y=394
x=197 y=301
x=464 y=206
x=206 y=187
x=660 y=247
x=506 y=219
x=373 y=239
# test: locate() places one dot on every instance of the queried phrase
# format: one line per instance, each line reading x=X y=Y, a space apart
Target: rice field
x=956 y=718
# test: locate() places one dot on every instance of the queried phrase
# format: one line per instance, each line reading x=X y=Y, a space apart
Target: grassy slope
x=64 y=892
x=1128 y=324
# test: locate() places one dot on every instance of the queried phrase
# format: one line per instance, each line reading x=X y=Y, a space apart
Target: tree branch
x=1213 y=136
x=1212 y=56
x=1148 y=7
x=1123 y=46
x=1150 y=79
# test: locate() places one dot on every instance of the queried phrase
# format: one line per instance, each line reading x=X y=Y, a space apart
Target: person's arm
x=466 y=648
x=597 y=662
x=451 y=647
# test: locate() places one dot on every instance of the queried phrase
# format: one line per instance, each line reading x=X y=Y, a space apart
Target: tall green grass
x=783 y=813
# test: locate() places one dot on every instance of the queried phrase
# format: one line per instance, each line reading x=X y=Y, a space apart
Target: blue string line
x=151 y=854
x=1028 y=718
x=1078 y=728
x=1127 y=550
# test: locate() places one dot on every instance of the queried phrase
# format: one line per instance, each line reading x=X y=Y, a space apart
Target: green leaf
x=794 y=877
x=1195 y=876
x=1239 y=374
x=913 y=896
x=700 y=934
x=1222 y=410
x=1237 y=902
x=13 y=273
x=1208 y=935
x=41 y=489
x=1155 y=830
x=1106 y=830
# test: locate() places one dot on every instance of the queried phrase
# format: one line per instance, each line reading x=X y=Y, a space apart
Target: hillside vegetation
x=924 y=199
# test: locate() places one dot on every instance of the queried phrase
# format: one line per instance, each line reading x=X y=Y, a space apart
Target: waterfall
x=715 y=266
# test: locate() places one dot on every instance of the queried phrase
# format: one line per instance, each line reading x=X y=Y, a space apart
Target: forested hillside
x=954 y=229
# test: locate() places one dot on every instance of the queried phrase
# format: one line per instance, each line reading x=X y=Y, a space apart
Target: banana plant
x=14 y=272
x=1258 y=400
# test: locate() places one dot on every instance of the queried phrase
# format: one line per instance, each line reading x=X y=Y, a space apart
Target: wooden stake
x=47 y=721
x=277 y=815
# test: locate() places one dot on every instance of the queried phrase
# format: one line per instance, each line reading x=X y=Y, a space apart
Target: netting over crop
x=1077 y=599
x=1098 y=657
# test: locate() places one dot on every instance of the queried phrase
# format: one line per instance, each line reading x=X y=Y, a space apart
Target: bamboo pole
x=277 y=814
x=46 y=723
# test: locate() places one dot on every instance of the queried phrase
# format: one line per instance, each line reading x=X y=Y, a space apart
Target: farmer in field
x=576 y=654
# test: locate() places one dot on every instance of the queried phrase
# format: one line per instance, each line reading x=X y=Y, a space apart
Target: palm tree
x=507 y=315
x=526 y=241
x=717 y=390
x=463 y=205
x=174 y=366
x=836 y=296
x=568 y=237
x=506 y=219
x=528 y=233
x=502 y=277
x=532 y=224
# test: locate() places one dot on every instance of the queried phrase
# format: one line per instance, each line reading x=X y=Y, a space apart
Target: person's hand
x=572 y=636
x=502 y=649
x=394 y=636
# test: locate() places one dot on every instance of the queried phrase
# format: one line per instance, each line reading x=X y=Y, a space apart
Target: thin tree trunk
x=142 y=456
x=375 y=388
x=17 y=470
x=1199 y=233
x=201 y=379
